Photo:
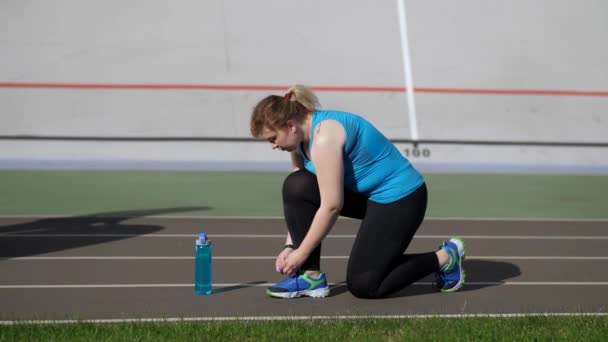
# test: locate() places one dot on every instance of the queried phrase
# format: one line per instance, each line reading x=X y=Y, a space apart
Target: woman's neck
x=306 y=125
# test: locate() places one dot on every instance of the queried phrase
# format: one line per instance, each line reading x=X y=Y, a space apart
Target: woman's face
x=284 y=139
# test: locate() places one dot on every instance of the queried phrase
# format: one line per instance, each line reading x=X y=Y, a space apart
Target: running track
x=105 y=268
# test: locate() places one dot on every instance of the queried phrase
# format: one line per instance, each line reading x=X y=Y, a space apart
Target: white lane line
x=509 y=257
x=306 y=318
x=281 y=218
x=484 y=257
x=127 y=217
x=282 y=236
x=518 y=219
x=121 y=258
x=218 y=286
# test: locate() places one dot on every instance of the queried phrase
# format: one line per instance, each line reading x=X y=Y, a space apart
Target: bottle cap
x=202 y=239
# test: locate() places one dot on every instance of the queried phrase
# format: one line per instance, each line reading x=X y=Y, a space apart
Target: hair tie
x=287 y=96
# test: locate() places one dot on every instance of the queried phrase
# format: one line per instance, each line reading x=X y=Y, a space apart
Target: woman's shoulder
x=329 y=131
x=339 y=115
x=333 y=111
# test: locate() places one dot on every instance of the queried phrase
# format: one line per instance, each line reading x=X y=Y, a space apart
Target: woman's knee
x=362 y=286
x=300 y=184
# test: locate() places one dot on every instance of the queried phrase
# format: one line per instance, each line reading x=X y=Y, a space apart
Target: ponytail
x=303 y=95
x=274 y=111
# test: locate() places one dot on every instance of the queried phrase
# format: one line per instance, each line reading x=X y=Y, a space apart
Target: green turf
x=432 y=329
x=174 y=193
x=533 y=196
x=238 y=193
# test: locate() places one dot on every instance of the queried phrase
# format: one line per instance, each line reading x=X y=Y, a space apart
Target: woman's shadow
x=57 y=234
x=480 y=274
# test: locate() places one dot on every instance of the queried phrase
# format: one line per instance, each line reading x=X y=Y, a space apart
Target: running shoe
x=451 y=277
x=300 y=285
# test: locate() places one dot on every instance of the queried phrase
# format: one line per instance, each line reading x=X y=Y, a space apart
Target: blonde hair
x=274 y=111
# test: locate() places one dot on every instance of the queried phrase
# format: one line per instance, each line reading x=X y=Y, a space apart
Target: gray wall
x=474 y=44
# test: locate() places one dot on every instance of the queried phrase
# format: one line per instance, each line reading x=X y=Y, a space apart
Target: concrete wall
x=475 y=44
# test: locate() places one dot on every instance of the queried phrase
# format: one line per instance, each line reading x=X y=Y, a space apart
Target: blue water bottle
x=202 y=265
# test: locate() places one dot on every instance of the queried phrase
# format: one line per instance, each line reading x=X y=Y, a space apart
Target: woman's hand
x=294 y=261
x=280 y=263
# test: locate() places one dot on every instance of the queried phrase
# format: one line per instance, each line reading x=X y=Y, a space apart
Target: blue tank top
x=372 y=164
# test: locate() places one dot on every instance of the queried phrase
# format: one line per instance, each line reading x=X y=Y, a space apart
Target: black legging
x=377 y=266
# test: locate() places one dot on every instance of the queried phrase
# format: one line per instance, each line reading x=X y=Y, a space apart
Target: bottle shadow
x=49 y=235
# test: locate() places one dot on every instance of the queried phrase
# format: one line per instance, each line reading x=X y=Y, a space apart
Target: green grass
x=47 y=192
x=577 y=328
x=151 y=192
x=525 y=196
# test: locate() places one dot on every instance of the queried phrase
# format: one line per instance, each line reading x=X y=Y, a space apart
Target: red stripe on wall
x=513 y=92
x=462 y=91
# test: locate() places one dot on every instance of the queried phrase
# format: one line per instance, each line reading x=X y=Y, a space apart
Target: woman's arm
x=288 y=240
x=297 y=162
x=327 y=154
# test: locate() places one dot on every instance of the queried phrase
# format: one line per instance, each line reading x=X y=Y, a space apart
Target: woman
x=344 y=166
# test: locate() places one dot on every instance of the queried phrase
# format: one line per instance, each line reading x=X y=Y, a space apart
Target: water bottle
x=202 y=265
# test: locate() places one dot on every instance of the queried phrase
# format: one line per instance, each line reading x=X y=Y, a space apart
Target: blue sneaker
x=451 y=277
x=298 y=286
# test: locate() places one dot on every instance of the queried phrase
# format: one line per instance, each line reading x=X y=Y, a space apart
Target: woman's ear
x=291 y=126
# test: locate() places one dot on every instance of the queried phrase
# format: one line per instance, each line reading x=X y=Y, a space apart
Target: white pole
x=407 y=69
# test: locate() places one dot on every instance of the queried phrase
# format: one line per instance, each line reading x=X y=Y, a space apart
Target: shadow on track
x=337 y=289
x=238 y=287
x=480 y=274
x=49 y=235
